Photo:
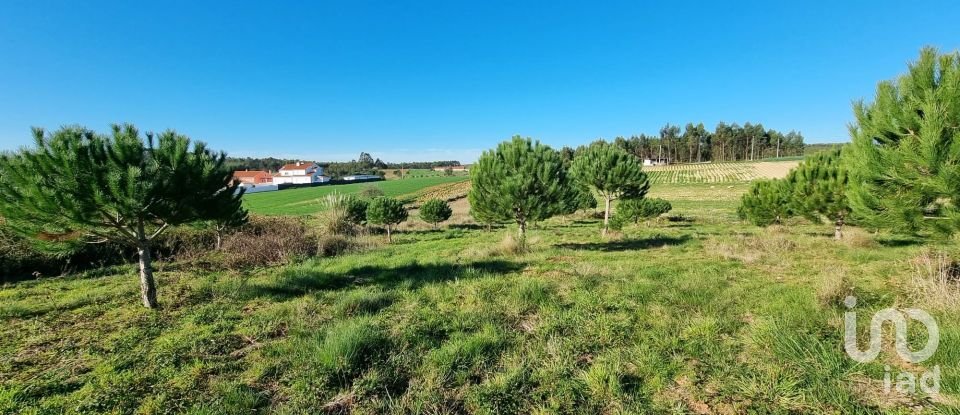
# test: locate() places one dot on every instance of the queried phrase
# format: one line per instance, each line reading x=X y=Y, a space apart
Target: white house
x=300 y=173
x=656 y=161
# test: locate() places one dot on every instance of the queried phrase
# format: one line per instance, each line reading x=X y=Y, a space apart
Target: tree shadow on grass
x=300 y=281
x=628 y=245
x=897 y=241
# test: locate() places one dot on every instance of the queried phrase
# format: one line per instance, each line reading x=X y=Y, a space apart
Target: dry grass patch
x=935 y=280
x=834 y=287
x=770 y=242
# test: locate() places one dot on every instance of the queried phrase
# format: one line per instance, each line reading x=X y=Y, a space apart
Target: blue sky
x=447 y=79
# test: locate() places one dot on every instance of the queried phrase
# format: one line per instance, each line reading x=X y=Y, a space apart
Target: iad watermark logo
x=927 y=382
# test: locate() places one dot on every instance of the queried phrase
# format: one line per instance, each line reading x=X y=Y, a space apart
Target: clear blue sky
x=447 y=79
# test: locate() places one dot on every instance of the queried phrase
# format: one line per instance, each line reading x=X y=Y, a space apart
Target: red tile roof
x=293 y=166
x=249 y=173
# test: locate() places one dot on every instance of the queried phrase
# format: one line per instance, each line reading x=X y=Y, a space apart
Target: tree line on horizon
x=727 y=142
x=692 y=144
x=364 y=164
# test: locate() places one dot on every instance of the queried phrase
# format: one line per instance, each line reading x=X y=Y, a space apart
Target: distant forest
x=364 y=164
x=693 y=143
x=727 y=142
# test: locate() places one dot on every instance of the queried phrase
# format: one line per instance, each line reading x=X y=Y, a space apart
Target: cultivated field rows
x=719 y=172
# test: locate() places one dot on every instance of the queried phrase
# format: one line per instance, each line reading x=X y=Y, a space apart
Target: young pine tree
x=904 y=156
x=819 y=186
x=520 y=181
x=116 y=188
x=435 y=211
x=388 y=212
x=767 y=202
x=635 y=210
x=612 y=173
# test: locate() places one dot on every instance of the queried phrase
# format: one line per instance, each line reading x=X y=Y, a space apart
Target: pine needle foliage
x=904 y=157
x=77 y=184
x=766 y=203
x=434 y=211
x=521 y=181
x=388 y=212
x=612 y=173
x=818 y=189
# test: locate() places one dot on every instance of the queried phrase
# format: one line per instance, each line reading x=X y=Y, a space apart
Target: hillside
x=696 y=313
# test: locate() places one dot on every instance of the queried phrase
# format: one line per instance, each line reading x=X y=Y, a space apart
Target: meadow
x=303 y=201
x=696 y=312
x=390 y=174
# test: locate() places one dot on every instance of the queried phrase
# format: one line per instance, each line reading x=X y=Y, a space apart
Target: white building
x=300 y=173
x=656 y=162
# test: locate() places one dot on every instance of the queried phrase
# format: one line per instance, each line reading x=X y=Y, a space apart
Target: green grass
x=418 y=173
x=303 y=201
x=700 y=314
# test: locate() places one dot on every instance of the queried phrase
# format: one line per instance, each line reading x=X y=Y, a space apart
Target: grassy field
x=417 y=173
x=303 y=201
x=697 y=314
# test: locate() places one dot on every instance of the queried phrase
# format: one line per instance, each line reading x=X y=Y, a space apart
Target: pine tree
x=356 y=210
x=612 y=173
x=766 y=203
x=904 y=157
x=819 y=186
x=435 y=211
x=388 y=212
x=521 y=181
x=120 y=188
x=635 y=210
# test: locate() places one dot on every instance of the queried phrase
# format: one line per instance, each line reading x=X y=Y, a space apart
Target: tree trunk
x=219 y=240
x=838 y=229
x=606 y=216
x=389 y=235
x=148 y=287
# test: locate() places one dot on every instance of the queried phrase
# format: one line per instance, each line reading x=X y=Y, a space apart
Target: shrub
x=267 y=241
x=333 y=245
x=435 y=211
x=357 y=210
x=386 y=211
x=766 y=203
x=371 y=192
x=635 y=210
x=21 y=258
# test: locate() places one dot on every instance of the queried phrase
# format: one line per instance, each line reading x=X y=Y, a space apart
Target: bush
x=435 y=211
x=333 y=245
x=635 y=210
x=21 y=258
x=357 y=210
x=766 y=203
x=267 y=241
x=371 y=192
